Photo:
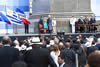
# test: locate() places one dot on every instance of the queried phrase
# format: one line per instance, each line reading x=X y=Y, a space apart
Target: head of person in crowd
x=80 y=36
x=52 y=42
x=77 y=39
x=61 y=59
x=6 y=40
x=74 y=40
x=67 y=45
x=1 y=45
x=16 y=43
x=93 y=43
x=61 y=46
x=19 y=64
x=35 y=42
x=55 y=49
x=16 y=38
x=57 y=42
x=98 y=42
x=94 y=59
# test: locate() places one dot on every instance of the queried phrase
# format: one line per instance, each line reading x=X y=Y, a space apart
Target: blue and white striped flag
x=13 y=17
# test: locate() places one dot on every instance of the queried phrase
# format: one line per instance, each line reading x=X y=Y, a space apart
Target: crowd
x=47 y=25
x=83 y=24
x=53 y=51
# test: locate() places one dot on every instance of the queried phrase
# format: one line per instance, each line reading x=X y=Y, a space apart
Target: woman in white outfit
x=54 y=53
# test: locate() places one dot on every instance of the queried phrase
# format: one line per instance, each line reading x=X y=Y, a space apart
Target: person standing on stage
x=26 y=28
x=45 y=26
x=49 y=21
x=86 y=22
x=81 y=21
x=54 y=25
x=72 y=22
x=92 y=19
x=40 y=24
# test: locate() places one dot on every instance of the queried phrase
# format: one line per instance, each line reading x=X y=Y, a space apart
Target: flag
x=22 y=15
x=25 y=21
x=13 y=16
x=20 y=12
x=4 y=18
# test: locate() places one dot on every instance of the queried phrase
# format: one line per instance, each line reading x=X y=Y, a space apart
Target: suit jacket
x=92 y=49
x=38 y=57
x=80 y=21
x=69 y=57
x=92 y=20
x=66 y=65
x=98 y=45
x=8 y=56
x=49 y=22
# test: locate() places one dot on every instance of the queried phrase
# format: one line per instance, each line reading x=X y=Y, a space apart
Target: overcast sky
x=96 y=7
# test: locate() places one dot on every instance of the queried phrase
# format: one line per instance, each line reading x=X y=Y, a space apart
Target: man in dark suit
x=69 y=55
x=38 y=57
x=92 y=19
x=8 y=55
x=61 y=61
x=26 y=28
x=81 y=21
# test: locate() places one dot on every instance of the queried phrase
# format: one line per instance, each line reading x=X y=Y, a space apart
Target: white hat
x=51 y=42
x=35 y=40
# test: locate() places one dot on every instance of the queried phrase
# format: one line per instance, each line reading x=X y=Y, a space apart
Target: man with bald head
x=69 y=55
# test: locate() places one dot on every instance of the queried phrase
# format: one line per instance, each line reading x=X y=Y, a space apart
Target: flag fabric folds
x=13 y=16
x=22 y=15
x=20 y=12
x=25 y=21
x=4 y=18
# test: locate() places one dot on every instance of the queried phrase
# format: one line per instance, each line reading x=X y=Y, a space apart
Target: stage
x=66 y=35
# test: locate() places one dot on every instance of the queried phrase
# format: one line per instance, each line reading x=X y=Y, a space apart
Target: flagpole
x=16 y=28
x=6 y=23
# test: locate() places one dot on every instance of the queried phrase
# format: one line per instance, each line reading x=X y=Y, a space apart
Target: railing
x=86 y=28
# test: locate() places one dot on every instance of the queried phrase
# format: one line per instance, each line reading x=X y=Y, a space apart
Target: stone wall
x=70 y=6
